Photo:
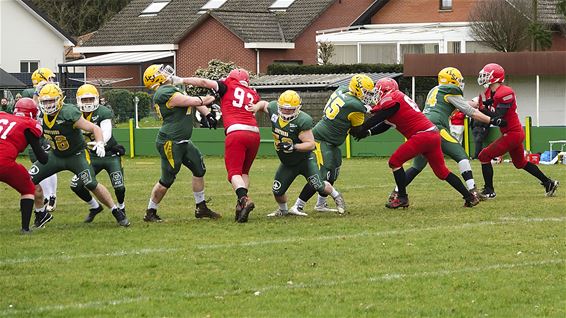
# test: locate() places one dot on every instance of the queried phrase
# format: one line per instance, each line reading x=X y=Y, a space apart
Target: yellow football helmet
x=157 y=74
x=42 y=74
x=87 y=98
x=289 y=105
x=451 y=75
x=50 y=99
x=363 y=88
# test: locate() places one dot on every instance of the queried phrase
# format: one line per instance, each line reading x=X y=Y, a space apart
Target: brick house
x=188 y=33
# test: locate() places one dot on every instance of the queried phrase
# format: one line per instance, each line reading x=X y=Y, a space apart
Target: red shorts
x=240 y=149
x=16 y=176
x=427 y=144
x=511 y=142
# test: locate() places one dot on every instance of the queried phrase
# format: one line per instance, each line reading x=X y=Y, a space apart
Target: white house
x=29 y=39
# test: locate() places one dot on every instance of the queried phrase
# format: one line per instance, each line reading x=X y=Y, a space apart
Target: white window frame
x=28 y=62
x=154 y=8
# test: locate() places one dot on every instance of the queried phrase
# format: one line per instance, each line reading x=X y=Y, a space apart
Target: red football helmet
x=384 y=86
x=241 y=75
x=26 y=107
x=491 y=73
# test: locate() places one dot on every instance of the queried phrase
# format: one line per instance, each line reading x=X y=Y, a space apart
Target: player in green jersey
x=441 y=102
x=343 y=112
x=101 y=116
x=173 y=141
x=39 y=78
x=294 y=143
x=62 y=124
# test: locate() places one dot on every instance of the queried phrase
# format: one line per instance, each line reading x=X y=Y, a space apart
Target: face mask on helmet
x=490 y=74
x=240 y=75
x=289 y=105
x=384 y=86
x=157 y=74
x=87 y=98
x=167 y=71
x=362 y=87
x=50 y=99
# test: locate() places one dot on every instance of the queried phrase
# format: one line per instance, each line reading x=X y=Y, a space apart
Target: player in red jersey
x=396 y=109
x=16 y=132
x=240 y=126
x=498 y=101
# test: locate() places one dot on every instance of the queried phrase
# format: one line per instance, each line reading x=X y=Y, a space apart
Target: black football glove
x=119 y=150
x=361 y=135
x=285 y=147
x=487 y=102
x=498 y=121
x=46 y=146
x=211 y=120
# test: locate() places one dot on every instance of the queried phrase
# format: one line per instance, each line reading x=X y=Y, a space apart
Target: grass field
x=503 y=258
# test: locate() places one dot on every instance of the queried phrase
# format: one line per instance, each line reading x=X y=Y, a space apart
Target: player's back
x=409 y=120
x=437 y=107
x=342 y=112
x=12 y=138
x=506 y=95
x=234 y=102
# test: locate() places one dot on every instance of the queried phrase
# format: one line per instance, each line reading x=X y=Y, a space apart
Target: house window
x=427 y=48
x=445 y=4
x=289 y=62
x=345 y=54
x=478 y=47
x=378 y=53
x=28 y=66
x=211 y=5
x=154 y=8
x=281 y=5
x=454 y=47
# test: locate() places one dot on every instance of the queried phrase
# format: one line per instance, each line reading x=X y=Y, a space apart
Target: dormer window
x=281 y=5
x=211 y=5
x=154 y=8
x=445 y=4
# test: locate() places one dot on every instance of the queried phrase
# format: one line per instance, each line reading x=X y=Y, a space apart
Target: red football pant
x=425 y=143
x=240 y=149
x=511 y=142
x=16 y=176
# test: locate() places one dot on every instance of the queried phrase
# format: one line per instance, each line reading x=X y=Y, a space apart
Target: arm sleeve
x=379 y=128
x=502 y=109
x=380 y=116
x=106 y=126
x=461 y=104
x=222 y=88
x=33 y=141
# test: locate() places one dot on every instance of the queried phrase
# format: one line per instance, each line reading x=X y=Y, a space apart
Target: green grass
x=503 y=258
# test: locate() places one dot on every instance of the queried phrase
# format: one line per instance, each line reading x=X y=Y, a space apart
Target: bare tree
x=502 y=25
x=325 y=52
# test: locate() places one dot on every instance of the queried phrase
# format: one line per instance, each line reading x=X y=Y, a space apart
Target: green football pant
x=285 y=175
x=329 y=160
x=173 y=155
x=79 y=164
x=112 y=165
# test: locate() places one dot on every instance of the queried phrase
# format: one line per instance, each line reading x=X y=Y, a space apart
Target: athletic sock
x=241 y=192
x=300 y=203
x=321 y=200
x=283 y=206
x=307 y=192
x=199 y=196
x=410 y=175
x=152 y=205
x=26 y=206
x=334 y=193
x=93 y=203
x=487 y=171
x=535 y=171
x=400 y=180
x=457 y=184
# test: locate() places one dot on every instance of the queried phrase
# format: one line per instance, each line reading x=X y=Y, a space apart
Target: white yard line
x=148 y=251
x=260 y=290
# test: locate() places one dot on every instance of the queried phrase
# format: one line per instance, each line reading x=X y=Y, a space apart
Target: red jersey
x=505 y=95
x=457 y=118
x=408 y=119
x=233 y=102
x=12 y=138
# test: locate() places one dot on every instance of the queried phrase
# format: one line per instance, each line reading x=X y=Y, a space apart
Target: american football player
x=101 y=116
x=396 y=109
x=343 y=113
x=173 y=141
x=441 y=102
x=242 y=132
x=498 y=101
x=16 y=132
x=294 y=143
x=62 y=124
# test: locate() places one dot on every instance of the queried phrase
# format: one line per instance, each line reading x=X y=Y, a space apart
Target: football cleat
x=340 y=204
x=92 y=214
x=41 y=218
x=151 y=216
x=295 y=210
x=121 y=217
x=394 y=194
x=202 y=211
x=471 y=201
x=398 y=202
x=246 y=206
x=278 y=212
x=550 y=187
x=51 y=204
x=487 y=193
x=324 y=208
x=474 y=191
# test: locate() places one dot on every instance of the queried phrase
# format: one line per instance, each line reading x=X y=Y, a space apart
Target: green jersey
x=96 y=117
x=289 y=132
x=342 y=112
x=437 y=107
x=59 y=130
x=28 y=92
x=177 y=121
